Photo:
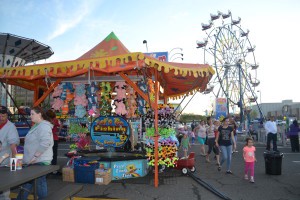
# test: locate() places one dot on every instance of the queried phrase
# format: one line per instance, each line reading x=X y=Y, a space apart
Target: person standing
x=294 y=136
x=234 y=126
x=201 y=135
x=9 y=140
x=271 y=130
x=55 y=131
x=224 y=141
x=185 y=144
x=250 y=159
x=192 y=134
x=211 y=141
x=38 y=150
x=193 y=125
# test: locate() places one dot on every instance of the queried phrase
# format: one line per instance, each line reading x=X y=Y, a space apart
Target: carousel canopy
x=18 y=51
x=109 y=58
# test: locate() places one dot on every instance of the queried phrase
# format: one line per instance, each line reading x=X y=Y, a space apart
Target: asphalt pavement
x=174 y=185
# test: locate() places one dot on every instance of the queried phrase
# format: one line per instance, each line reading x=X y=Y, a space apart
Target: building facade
x=286 y=108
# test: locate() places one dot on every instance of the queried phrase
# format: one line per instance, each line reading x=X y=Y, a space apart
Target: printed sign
x=127 y=169
x=221 y=107
x=110 y=131
x=161 y=56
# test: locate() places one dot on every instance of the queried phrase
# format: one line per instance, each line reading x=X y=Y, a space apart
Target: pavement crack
x=196 y=192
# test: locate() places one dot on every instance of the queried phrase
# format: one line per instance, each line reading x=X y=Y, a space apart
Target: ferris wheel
x=228 y=49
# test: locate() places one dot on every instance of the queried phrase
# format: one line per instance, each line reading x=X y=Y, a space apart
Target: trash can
x=273 y=162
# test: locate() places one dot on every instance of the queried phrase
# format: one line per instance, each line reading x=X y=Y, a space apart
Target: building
x=286 y=108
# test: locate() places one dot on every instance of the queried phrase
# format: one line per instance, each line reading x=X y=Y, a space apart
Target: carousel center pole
x=156 y=90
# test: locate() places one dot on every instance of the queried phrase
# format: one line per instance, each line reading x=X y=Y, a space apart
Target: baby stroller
x=186 y=163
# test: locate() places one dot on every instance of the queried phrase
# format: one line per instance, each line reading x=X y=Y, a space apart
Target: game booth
x=109 y=97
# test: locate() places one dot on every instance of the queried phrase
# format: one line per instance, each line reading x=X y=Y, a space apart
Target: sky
x=72 y=27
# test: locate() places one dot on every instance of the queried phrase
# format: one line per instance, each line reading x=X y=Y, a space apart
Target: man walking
x=271 y=130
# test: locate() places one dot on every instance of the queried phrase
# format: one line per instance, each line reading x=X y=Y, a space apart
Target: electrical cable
x=208 y=186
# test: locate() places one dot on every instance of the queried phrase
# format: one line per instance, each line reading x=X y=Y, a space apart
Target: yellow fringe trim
x=69 y=67
x=166 y=67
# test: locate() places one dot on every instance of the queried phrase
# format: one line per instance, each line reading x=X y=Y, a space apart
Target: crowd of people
x=221 y=138
x=41 y=143
x=40 y=147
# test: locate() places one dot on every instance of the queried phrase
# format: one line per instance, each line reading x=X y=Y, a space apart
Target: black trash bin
x=273 y=162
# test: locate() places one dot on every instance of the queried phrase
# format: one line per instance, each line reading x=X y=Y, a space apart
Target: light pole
x=174 y=49
x=177 y=58
x=181 y=54
x=178 y=53
x=145 y=42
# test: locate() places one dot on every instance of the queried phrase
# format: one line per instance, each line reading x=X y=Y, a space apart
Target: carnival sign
x=110 y=131
x=221 y=108
x=161 y=56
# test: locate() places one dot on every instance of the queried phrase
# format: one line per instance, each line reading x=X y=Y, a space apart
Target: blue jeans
x=41 y=187
x=226 y=155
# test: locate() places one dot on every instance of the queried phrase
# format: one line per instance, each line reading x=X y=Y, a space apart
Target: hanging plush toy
x=65 y=108
x=92 y=97
x=141 y=102
x=80 y=100
x=57 y=91
x=57 y=104
x=120 y=89
x=69 y=95
x=131 y=103
x=120 y=107
x=105 y=99
x=80 y=111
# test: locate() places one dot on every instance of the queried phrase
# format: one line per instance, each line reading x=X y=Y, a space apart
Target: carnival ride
x=16 y=51
x=110 y=61
x=227 y=48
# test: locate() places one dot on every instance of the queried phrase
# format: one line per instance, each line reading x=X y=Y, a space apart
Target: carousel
x=116 y=93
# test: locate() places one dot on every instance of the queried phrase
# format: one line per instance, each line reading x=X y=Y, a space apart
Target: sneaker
x=228 y=172
x=235 y=151
x=246 y=177
x=219 y=168
x=251 y=179
x=207 y=159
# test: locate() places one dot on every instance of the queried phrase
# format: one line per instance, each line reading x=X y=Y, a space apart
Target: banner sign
x=220 y=108
x=127 y=169
x=161 y=56
x=110 y=131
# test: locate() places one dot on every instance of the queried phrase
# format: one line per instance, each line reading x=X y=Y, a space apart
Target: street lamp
x=145 y=42
x=171 y=56
x=177 y=58
x=181 y=54
x=174 y=49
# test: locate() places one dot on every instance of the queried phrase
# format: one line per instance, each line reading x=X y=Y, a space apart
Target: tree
x=190 y=117
x=253 y=114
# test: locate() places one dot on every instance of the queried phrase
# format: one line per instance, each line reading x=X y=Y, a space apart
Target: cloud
x=65 y=23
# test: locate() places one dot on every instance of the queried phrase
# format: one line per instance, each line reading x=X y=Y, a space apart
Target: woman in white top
x=211 y=130
x=200 y=130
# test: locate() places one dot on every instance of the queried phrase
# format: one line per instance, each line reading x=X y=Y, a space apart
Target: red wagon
x=186 y=163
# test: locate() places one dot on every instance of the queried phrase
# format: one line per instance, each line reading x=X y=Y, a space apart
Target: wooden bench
x=66 y=192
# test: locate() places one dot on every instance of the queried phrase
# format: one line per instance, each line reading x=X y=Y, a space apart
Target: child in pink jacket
x=249 y=158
